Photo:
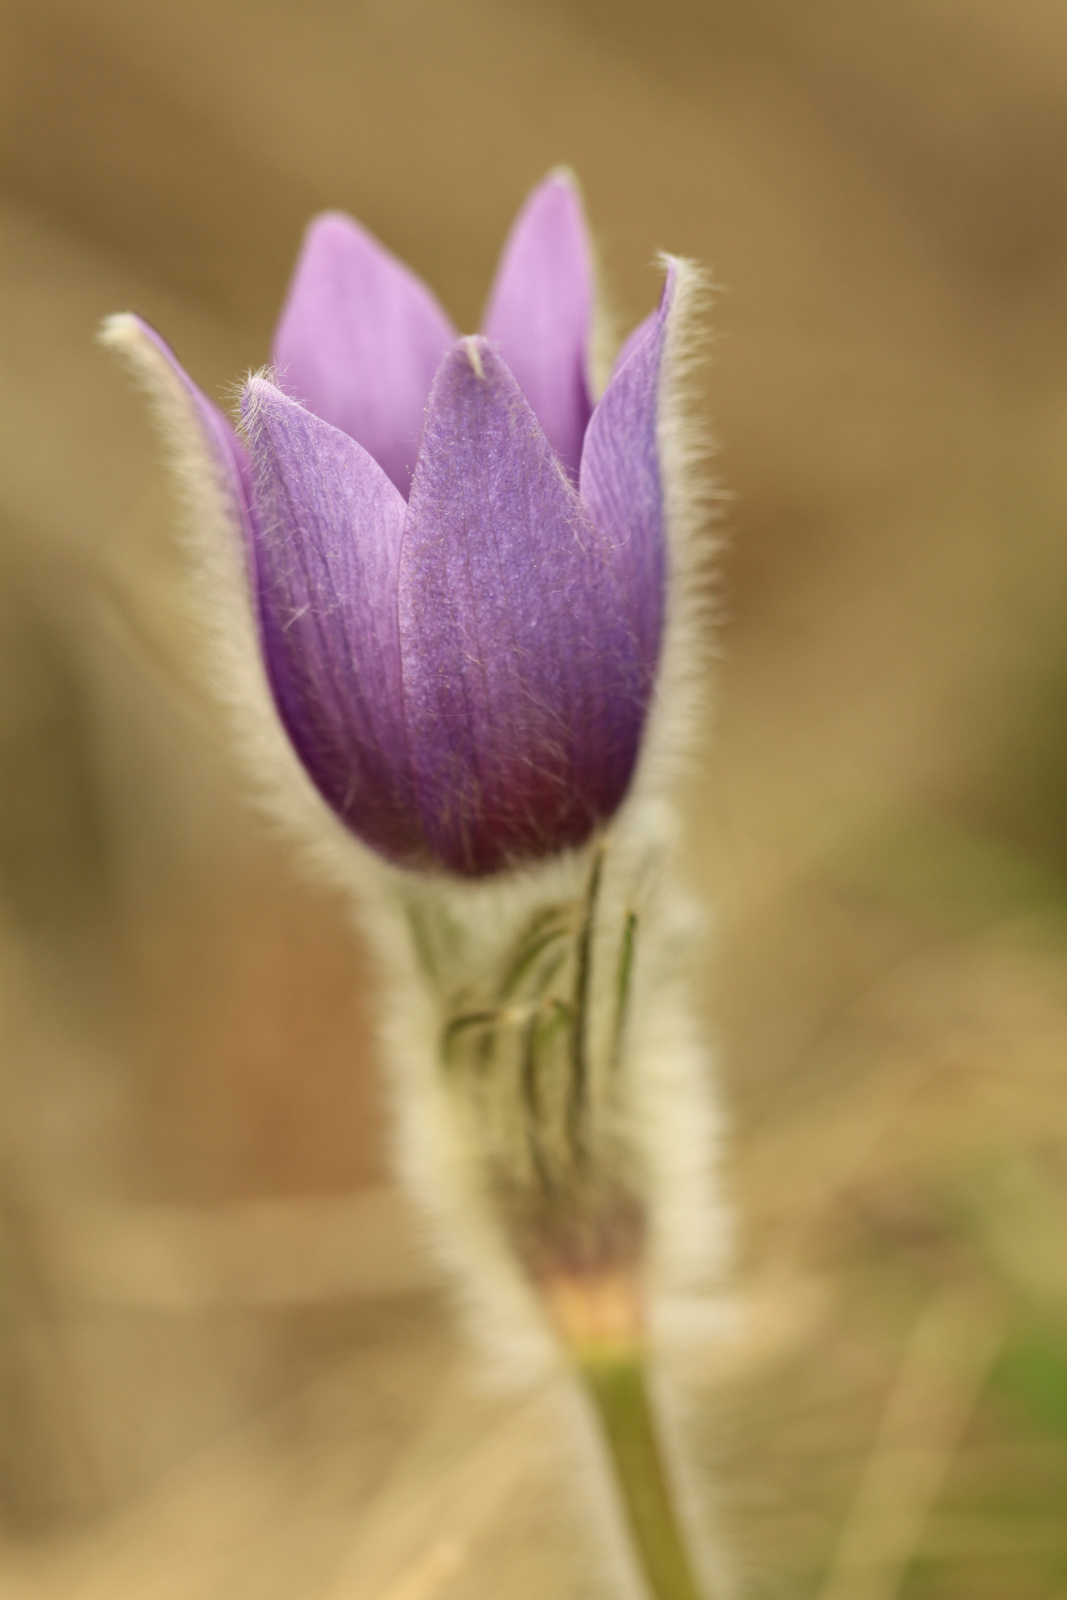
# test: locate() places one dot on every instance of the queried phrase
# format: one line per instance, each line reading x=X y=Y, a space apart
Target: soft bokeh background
x=225 y=1366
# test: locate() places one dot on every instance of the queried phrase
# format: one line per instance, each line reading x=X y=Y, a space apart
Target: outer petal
x=540 y=313
x=620 y=482
x=359 y=340
x=524 y=697
x=330 y=526
x=143 y=346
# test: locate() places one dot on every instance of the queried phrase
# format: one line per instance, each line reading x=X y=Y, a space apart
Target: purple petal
x=359 y=340
x=620 y=479
x=540 y=313
x=326 y=565
x=523 y=695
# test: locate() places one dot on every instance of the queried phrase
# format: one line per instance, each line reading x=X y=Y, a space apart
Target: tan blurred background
x=225 y=1367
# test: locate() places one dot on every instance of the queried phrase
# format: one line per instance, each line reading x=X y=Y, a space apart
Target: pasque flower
x=456 y=553
x=442 y=565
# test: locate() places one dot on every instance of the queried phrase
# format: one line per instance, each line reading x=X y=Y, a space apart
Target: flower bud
x=456 y=559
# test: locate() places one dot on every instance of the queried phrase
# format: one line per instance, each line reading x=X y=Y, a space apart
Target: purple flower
x=457 y=557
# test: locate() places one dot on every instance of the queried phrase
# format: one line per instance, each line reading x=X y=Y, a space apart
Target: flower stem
x=617 y=1384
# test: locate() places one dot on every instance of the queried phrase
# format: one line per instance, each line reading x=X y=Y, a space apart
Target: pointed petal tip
x=473 y=354
x=275 y=426
x=151 y=360
x=673 y=267
x=477 y=351
x=558 y=196
x=129 y=334
x=339 y=224
x=564 y=177
x=260 y=393
x=256 y=385
x=687 y=284
x=335 y=243
x=331 y=214
x=256 y=389
x=118 y=329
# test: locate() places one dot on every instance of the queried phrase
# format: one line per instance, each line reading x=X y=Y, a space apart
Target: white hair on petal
x=678 y=712
x=676 y=1118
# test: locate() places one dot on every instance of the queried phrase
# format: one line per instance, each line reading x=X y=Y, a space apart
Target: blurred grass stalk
x=943 y=1370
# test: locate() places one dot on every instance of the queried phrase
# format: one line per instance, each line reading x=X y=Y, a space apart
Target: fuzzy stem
x=617 y=1384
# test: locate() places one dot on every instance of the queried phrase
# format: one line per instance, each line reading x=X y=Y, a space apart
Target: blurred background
x=225 y=1364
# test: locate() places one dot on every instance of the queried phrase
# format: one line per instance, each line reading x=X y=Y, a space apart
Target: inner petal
x=359 y=340
x=540 y=313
